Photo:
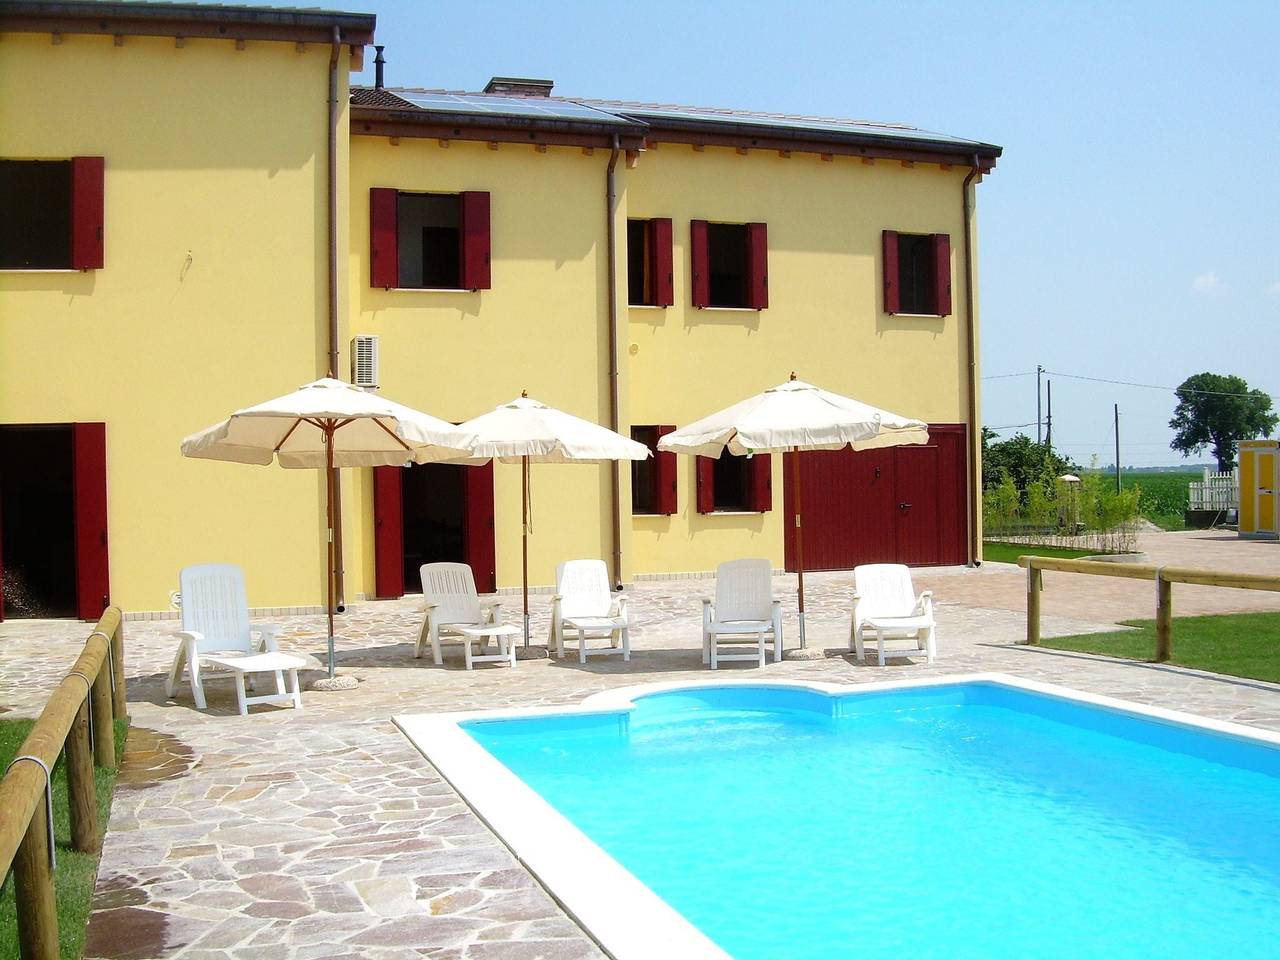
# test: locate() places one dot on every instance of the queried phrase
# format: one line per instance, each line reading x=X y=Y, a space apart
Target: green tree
x=1218 y=410
x=1021 y=458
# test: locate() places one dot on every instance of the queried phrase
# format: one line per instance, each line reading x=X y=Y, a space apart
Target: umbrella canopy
x=525 y=431
x=367 y=430
x=794 y=416
x=323 y=425
x=791 y=417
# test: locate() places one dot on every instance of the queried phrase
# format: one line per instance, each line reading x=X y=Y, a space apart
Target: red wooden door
x=477 y=532
x=388 y=532
x=89 y=481
x=915 y=490
x=847 y=501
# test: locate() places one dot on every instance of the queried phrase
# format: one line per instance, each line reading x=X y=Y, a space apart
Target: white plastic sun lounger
x=453 y=613
x=744 y=611
x=885 y=603
x=216 y=635
x=583 y=604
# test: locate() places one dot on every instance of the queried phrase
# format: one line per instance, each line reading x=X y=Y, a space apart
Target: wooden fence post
x=119 y=706
x=1164 y=617
x=33 y=892
x=82 y=794
x=1035 y=584
x=104 y=731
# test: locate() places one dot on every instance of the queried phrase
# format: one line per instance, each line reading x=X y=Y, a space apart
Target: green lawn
x=999 y=551
x=76 y=872
x=1237 y=644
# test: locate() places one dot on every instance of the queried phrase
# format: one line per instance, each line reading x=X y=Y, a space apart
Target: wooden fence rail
x=77 y=721
x=1164 y=578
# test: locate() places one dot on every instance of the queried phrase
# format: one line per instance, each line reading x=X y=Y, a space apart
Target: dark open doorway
x=37 y=521
x=434 y=496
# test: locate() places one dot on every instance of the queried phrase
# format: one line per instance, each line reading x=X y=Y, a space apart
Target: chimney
x=519 y=87
x=379 y=62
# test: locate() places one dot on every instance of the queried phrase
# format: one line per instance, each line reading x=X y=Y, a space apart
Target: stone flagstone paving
x=322 y=833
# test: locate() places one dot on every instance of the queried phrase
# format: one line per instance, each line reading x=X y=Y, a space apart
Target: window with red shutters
x=649 y=263
x=653 y=481
x=429 y=241
x=52 y=215
x=731 y=484
x=917 y=273
x=729 y=265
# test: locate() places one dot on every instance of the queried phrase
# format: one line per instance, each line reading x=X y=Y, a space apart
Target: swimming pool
x=981 y=817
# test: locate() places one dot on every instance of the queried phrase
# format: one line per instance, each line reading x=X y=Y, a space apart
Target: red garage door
x=898 y=505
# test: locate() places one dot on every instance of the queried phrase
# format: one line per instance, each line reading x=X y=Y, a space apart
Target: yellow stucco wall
x=825 y=319
x=542 y=327
x=212 y=296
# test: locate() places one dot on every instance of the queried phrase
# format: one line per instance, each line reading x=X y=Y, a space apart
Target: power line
x=1006 y=376
x=1152 y=386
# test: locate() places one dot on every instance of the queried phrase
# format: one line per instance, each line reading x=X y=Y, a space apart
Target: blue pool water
x=969 y=820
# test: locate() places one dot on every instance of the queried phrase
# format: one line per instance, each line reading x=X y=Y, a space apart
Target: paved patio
x=321 y=833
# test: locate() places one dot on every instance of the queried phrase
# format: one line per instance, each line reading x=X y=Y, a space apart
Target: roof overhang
x=185 y=20
x=384 y=122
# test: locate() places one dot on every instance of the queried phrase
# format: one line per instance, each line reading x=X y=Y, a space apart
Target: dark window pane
x=429 y=241
x=644 y=495
x=915 y=273
x=638 y=269
x=731 y=488
x=35 y=226
x=727 y=253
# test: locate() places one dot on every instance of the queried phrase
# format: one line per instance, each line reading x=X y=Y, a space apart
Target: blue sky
x=1129 y=232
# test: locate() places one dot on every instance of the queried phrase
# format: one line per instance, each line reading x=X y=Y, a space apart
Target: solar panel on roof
x=532 y=107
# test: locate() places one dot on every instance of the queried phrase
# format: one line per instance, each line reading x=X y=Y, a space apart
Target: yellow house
x=208 y=215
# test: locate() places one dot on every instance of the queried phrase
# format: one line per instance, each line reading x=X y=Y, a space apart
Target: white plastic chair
x=885 y=602
x=584 y=605
x=216 y=634
x=454 y=614
x=744 y=612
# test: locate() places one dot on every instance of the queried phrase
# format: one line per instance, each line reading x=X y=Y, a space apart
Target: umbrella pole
x=328 y=479
x=524 y=541
x=795 y=482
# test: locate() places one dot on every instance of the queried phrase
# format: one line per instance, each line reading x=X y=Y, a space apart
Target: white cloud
x=1205 y=282
x=1274 y=289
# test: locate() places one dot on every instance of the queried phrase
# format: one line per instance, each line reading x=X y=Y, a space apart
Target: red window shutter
x=706 y=484
x=760 y=482
x=89 y=482
x=660 y=256
x=699 y=265
x=664 y=476
x=758 y=265
x=384 y=253
x=892 y=292
x=477 y=507
x=388 y=533
x=475 y=240
x=941 y=274
x=87 y=192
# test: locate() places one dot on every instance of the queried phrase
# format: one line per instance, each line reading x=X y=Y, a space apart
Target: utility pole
x=1048 y=420
x=1117 y=413
x=1039 y=370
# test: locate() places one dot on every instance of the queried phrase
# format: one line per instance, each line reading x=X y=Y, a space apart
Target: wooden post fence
x=1163 y=577
x=87 y=701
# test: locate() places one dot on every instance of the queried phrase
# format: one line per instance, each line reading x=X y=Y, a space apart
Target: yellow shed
x=1259 y=480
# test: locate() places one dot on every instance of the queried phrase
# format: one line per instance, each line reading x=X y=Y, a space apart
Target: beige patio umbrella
x=323 y=425
x=525 y=431
x=788 y=418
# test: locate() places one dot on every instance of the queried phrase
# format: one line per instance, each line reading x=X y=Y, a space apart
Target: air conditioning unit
x=364 y=362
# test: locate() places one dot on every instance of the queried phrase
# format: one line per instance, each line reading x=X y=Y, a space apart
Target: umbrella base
x=537 y=652
x=805 y=653
x=343 y=681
